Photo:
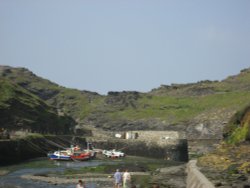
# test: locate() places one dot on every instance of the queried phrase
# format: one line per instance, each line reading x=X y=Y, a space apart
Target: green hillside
x=180 y=103
x=72 y=102
x=203 y=101
x=176 y=109
x=238 y=82
x=19 y=109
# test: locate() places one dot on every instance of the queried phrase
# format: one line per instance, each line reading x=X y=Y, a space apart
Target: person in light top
x=126 y=177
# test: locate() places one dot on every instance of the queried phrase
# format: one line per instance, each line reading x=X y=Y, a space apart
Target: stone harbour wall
x=195 y=179
x=177 y=151
x=155 y=135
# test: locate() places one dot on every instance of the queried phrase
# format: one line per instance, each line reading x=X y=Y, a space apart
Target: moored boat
x=73 y=153
x=113 y=153
x=81 y=156
x=60 y=155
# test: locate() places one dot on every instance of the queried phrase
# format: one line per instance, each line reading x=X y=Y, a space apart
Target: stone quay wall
x=155 y=136
x=175 y=151
x=158 y=137
x=195 y=179
x=169 y=145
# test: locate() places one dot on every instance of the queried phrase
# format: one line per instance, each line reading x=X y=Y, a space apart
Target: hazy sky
x=116 y=45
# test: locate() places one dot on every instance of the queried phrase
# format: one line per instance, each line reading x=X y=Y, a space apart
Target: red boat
x=81 y=156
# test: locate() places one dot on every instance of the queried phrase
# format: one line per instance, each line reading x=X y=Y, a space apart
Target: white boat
x=113 y=153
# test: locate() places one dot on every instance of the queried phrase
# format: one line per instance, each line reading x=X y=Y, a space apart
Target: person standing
x=126 y=179
x=118 y=178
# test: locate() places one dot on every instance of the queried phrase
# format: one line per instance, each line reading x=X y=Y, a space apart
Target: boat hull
x=59 y=155
x=81 y=156
x=56 y=157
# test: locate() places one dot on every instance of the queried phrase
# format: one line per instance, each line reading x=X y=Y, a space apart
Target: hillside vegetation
x=238 y=129
x=228 y=164
x=211 y=103
x=72 y=102
x=21 y=110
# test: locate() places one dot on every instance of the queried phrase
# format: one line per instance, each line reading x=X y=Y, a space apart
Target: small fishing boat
x=60 y=155
x=113 y=153
x=73 y=153
x=81 y=156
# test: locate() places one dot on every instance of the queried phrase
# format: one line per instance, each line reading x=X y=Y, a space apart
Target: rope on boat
x=35 y=147
x=123 y=148
x=54 y=144
x=50 y=142
x=64 y=140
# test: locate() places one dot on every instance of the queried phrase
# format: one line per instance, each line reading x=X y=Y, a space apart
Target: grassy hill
x=21 y=110
x=72 y=102
x=201 y=102
x=208 y=102
x=177 y=109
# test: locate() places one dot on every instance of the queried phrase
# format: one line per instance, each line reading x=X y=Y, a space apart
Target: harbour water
x=96 y=173
x=43 y=166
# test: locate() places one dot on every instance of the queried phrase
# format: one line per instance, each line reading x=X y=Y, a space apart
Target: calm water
x=43 y=166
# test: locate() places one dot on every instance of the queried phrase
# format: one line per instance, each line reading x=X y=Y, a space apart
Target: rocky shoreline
x=225 y=179
x=170 y=177
x=227 y=166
